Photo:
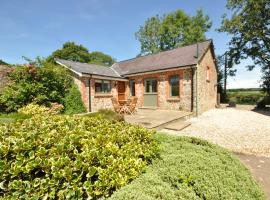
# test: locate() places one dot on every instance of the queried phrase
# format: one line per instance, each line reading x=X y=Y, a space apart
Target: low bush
x=107 y=114
x=263 y=102
x=189 y=168
x=70 y=157
x=33 y=109
x=73 y=102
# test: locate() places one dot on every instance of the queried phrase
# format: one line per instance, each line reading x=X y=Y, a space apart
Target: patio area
x=157 y=119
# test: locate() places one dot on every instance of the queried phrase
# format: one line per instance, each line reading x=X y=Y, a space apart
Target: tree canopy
x=79 y=53
x=172 y=30
x=249 y=26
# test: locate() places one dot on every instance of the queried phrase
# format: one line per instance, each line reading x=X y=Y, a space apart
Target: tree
x=172 y=30
x=225 y=69
x=250 y=30
x=3 y=63
x=79 y=53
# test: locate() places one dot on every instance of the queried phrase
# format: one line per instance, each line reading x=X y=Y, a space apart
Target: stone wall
x=183 y=102
x=98 y=101
x=207 y=89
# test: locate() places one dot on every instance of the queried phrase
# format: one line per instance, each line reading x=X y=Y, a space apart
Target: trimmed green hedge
x=70 y=157
x=192 y=169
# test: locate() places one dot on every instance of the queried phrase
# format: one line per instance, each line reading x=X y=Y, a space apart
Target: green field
x=249 y=96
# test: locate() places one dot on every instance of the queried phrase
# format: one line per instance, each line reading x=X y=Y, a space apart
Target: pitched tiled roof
x=85 y=68
x=179 y=57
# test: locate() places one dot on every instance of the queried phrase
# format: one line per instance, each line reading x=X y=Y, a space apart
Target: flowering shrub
x=33 y=109
x=70 y=157
x=56 y=108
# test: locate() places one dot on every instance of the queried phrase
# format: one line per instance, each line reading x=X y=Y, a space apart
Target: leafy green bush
x=70 y=157
x=41 y=85
x=107 y=114
x=73 y=102
x=33 y=109
x=189 y=168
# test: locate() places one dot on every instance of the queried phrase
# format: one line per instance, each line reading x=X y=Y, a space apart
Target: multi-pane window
x=102 y=86
x=174 y=86
x=132 y=87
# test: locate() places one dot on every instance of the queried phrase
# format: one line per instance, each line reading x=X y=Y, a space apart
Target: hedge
x=193 y=169
x=245 y=97
x=70 y=157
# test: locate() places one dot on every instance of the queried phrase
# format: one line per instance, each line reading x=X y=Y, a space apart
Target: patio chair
x=116 y=105
x=132 y=105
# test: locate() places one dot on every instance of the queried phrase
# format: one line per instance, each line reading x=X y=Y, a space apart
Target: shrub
x=73 y=102
x=192 y=169
x=70 y=157
x=108 y=114
x=31 y=84
x=33 y=109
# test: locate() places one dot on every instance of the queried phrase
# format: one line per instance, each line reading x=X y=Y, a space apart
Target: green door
x=150 y=92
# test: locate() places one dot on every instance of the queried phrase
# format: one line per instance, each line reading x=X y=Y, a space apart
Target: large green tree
x=249 y=26
x=79 y=53
x=172 y=30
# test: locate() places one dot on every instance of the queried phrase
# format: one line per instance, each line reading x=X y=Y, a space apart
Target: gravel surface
x=242 y=131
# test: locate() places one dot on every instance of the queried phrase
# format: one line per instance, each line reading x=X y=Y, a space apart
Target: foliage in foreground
x=70 y=157
x=190 y=168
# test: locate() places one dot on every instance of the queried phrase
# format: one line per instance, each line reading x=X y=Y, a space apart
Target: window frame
x=102 y=81
x=131 y=91
x=174 y=76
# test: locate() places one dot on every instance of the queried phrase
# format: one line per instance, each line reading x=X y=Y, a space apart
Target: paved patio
x=151 y=118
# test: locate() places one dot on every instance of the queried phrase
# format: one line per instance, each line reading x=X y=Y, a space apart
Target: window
x=102 y=86
x=150 y=85
x=174 y=86
x=132 y=87
x=208 y=74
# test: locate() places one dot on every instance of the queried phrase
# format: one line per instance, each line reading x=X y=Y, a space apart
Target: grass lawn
x=12 y=117
x=190 y=168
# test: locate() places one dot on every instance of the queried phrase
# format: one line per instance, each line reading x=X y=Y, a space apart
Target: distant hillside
x=245 y=90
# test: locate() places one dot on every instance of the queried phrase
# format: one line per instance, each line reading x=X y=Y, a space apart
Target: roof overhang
x=160 y=71
x=92 y=75
x=104 y=77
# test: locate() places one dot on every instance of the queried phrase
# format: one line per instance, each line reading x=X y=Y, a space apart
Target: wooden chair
x=132 y=105
x=116 y=105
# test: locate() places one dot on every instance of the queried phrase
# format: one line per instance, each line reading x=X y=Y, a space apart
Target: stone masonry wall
x=207 y=89
x=183 y=102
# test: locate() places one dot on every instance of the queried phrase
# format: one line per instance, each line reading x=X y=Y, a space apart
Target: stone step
x=177 y=125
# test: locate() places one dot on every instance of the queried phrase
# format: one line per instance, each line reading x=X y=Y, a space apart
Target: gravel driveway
x=237 y=130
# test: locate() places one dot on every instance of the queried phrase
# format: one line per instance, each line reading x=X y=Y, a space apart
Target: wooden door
x=121 y=91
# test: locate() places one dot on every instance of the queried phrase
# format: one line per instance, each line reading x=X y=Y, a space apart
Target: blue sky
x=38 y=27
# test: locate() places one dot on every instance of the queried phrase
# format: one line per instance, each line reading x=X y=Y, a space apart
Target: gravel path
x=237 y=130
